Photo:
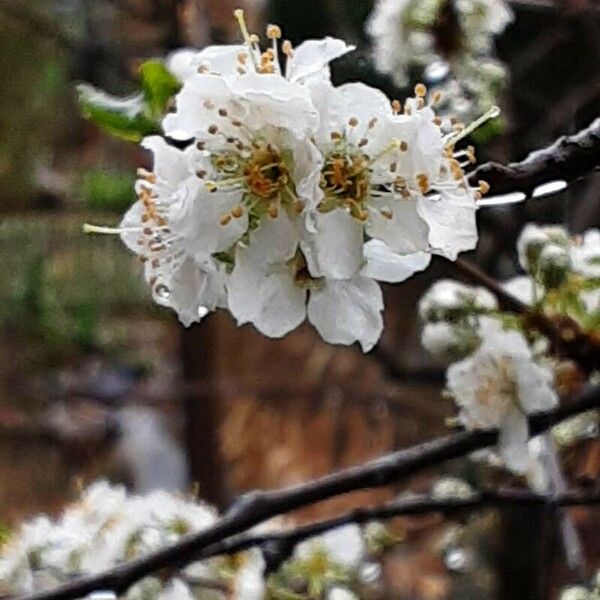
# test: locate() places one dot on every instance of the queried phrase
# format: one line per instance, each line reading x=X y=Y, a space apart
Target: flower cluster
x=292 y=198
x=107 y=527
x=450 y=43
x=503 y=371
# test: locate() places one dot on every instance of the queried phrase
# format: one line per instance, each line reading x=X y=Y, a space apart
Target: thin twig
x=254 y=508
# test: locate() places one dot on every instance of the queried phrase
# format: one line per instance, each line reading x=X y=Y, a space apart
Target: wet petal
x=346 y=311
x=385 y=265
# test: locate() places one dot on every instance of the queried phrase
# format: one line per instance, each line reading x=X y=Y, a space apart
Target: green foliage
x=158 y=87
x=124 y=118
x=107 y=190
x=137 y=116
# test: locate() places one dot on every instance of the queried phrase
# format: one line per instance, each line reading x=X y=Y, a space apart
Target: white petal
x=347 y=311
x=274 y=241
x=312 y=56
x=222 y=59
x=271 y=301
x=512 y=442
x=180 y=63
x=277 y=102
x=171 y=165
x=385 y=265
x=283 y=305
x=452 y=223
x=132 y=220
x=335 y=250
x=195 y=291
x=195 y=217
x=405 y=233
x=191 y=117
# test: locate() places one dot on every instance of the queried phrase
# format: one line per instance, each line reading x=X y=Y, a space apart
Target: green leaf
x=158 y=87
x=124 y=118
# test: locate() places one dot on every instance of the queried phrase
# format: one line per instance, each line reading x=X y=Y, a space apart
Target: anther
x=353 y=121
x=222 y=112
x=201 y=173
x=287 y=48
x=273 y=211
x=363 y=142
x=372 y=122
x=436 y=97
x=213 y=129
x=484 y=186
x=273 y=32
x=237 y=212
x=396 y=107
x=403 y=146
x=420 y=90
x=225 y=219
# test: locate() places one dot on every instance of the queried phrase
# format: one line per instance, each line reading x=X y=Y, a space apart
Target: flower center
x=262 y=172
x=266 y=172
x=345 y=181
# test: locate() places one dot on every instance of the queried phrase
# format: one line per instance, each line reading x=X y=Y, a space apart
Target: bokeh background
x=95 y=381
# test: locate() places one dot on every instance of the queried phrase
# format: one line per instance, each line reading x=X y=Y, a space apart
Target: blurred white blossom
x=499 y=386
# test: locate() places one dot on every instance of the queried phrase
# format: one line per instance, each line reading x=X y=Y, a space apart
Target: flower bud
x=451 y=300
x=449 y=341
x=533 y=240
x=553 y=266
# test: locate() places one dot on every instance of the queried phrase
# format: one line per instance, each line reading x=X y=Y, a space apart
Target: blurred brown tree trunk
x=202 y=406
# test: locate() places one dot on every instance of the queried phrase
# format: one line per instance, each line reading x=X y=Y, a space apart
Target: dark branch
x=415 y=505
x=565 y=335
x=257 y=507
x=568 y=158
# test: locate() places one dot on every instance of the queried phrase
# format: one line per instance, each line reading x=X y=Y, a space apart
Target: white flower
x=575 y=592
x=344 y=546
x=447 y=299
x=386 y=175
x=409 y=34
x=532 y=241
x=585 y=254
x=103 y=529
x=249 y=581
x=498 y=386
x=449 y=341
x=451 y=487
x=523 y=288
x=340 y=593
x=178 y=266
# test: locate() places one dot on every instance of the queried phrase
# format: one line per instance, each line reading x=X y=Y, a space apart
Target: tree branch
x=565 y=335
x=257 y=507
x=568 y=158
x=415 y=505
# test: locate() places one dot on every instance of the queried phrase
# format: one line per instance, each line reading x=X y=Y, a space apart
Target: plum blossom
x=450 y=44
x=390 y=176
x=283 y=198
x=104 y=528
x=498 y=386
x=447 y=299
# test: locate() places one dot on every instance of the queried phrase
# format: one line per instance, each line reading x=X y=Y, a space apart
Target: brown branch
x=257 y=507
x=568 y=158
